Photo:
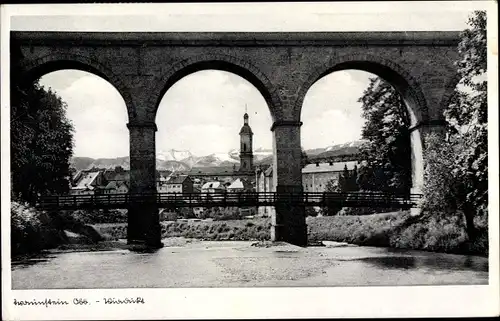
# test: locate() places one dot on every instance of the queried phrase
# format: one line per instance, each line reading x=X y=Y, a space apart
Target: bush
x=169 y=216
x=438 y=232
x=311 y=211
x=97 y=216
x=32 y=231
x=360 y=211
x=223 y=214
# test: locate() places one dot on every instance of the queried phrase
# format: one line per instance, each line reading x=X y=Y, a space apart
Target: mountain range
x=182 y=160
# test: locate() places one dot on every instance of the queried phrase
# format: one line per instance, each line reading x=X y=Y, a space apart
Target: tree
x=387 y=151
x=469 y=112
x=304 y=159
x=346 y=182
x=468 y=123
x=41 y=138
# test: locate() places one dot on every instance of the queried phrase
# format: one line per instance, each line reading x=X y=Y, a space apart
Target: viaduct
x=142 y=66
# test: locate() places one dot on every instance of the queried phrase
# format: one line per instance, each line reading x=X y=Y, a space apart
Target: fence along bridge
x=245 y=199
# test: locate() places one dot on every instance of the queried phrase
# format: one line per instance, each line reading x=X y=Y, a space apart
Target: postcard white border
x=415 y=301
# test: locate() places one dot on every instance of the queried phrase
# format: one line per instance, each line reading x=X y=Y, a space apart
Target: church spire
x=246 y=153
x=245 y=116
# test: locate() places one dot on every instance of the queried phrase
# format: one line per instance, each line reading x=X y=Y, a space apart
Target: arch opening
x=416 y=109
x=412 y=112
x=96 y=109
x=202 y=132
x=257 y=79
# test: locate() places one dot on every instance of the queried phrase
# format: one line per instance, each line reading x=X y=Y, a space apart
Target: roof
x=116 y=185
x=111 y=175
x=246 y=130
x=268 y=171
x=237 y=184
x=177 y=179
x=329 y=167
x=212 y=185
x=77 y=175
x=87 y=179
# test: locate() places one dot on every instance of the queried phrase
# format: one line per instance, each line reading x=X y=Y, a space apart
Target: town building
x=87 y=182
x=263 y=184
x=116 y=187
x=316 y=176
x=239 y=185
x=213 y=187
x=178 y=184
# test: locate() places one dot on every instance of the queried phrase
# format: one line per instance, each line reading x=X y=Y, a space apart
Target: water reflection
x=391 y=262
x=431 y=261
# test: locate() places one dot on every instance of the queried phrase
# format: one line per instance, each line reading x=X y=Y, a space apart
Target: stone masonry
x=282 y=66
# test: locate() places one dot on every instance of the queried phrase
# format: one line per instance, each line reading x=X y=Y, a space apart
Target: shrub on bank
x=98 y=216
x=235 y=230
x=32 y=231
x=394 y=229
x=400 y=230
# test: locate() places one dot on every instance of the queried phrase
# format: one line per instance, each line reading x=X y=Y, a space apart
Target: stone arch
x=388 y=70
x=401 y=80
x=36 y=68
x=221 y=62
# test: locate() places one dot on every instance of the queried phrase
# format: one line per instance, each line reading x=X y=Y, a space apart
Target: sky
x=203 y=112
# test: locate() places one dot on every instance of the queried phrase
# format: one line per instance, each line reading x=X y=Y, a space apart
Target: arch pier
x=142 y=66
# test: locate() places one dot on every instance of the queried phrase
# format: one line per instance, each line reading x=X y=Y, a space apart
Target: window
x=244 y=147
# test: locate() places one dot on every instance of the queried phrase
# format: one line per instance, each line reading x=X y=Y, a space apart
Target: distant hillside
x=174 y=160
x=319 y=153
x=81 y=162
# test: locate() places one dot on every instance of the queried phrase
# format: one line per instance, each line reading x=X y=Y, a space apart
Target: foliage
x=30 y=231
x=386 y=151
x=398 y=230
x=311 y=211
x=41 y=139
x=468 y=114
x=304 y=159
x=346 y=182
x=99 y=216
x=332 y=186
x=256 y=229
x=456 y=171
x=223 y=213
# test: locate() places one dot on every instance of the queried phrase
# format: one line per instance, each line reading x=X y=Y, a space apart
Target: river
x=192 y=263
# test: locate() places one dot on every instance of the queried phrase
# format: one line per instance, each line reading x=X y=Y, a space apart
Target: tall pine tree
x=387 y=151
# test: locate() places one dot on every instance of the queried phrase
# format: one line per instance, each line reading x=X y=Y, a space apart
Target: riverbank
x=34 y=231
x=444 y=234
x=394 y=229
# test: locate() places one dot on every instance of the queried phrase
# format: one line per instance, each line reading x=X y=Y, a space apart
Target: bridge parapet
x=176 y=200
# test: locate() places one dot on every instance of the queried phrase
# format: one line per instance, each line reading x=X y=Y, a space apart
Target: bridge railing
x=223 y=199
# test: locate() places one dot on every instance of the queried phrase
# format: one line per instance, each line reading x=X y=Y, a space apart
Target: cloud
x=97 y=111
x=330 y=112
x=211 y=97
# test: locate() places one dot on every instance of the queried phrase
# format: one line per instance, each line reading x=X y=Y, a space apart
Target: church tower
x=246 y=154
